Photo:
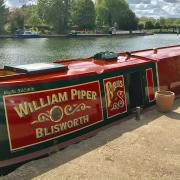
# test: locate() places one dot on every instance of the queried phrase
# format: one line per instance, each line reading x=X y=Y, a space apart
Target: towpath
x=145 y=150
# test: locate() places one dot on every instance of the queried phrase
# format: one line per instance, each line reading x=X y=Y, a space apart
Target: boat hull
x=44 y=109
x=39 y=117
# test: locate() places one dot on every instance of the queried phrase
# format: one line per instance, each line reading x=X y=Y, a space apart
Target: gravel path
x=145 y=150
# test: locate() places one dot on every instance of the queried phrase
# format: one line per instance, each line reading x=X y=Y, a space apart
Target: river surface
x=24 y=51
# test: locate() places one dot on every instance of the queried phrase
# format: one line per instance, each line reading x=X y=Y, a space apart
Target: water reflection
x=24 y=51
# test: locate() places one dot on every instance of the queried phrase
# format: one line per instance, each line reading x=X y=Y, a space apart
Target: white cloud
x=139 y=1
x=156 y=8
x=18 y=3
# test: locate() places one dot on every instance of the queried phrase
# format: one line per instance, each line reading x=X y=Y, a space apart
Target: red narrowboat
x=50 y=105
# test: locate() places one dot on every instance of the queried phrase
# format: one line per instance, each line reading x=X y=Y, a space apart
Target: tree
x=83 y=14
x=130 y=21
x=101 y=13
x=157 y=25
x=3 y=15
x=67 y=13
x=16 y=20
x=34 y=20
x=55 y=13
x=140 y=26
x=110 y=12
x=162 y=22
x=149 y=25
x=26 y=16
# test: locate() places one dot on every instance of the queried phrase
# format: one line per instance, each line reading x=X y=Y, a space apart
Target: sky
x=145 y=8
x=156 y=8
x=18 y=3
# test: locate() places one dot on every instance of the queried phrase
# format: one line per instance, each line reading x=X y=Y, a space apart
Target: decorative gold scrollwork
x=42 y=117
x=69 y=110
x=120 y=103
x=56 y=113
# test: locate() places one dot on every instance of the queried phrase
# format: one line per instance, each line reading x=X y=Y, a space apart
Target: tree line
x=61 y=16
x=160 y=23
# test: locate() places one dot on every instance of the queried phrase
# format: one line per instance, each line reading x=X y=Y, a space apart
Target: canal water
x=24 y=51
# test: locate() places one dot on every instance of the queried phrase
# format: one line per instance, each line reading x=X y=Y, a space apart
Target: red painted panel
x=33 y=118
x=150 y=84
x=115 y=96
x=169 y=74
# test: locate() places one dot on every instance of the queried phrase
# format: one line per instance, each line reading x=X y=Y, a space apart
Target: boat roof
x=76 y=68
x=90 y=66
x=158 y=54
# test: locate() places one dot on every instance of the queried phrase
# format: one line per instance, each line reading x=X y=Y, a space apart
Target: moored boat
x=26 y=34
x=50 y=105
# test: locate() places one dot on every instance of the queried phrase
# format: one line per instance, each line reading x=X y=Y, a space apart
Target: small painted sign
x=150 y=84
x=37 y=117
x=115 y=96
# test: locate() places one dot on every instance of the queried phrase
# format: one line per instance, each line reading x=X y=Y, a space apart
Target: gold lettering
x=49 y=100
x=73 y=94
x=54 y=99
x=121 y=83
x=70 y=124
x=94 y=95
x=76 y=122
x=111 y=88
x=22 y=109
x=63 y=126
x=26 y=108
x=31 y=108
x=63 y=97
x=89 y=93
x=42 y=103
x=86 y=119
x=56 y=128
x=46 y=133
x=43 y=132
x=39 y=133
x=36 y=107
x=83 y=94
x=109 y=93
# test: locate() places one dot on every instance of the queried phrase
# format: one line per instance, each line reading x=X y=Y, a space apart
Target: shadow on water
x=128 y=124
